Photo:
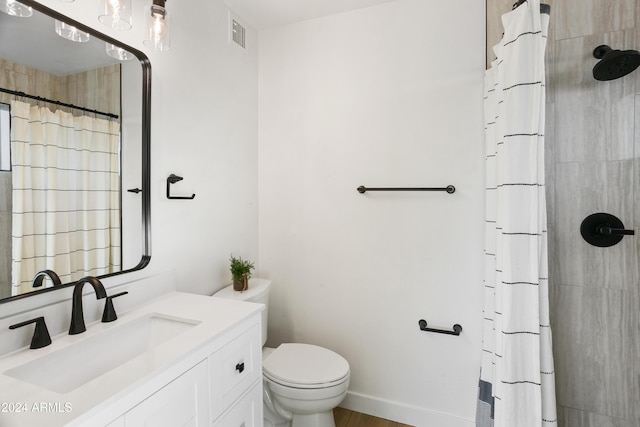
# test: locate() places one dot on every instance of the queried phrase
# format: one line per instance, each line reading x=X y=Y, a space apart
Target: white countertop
x=23 y=404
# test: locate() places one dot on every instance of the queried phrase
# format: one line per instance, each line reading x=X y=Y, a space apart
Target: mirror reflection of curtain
x=66 y=195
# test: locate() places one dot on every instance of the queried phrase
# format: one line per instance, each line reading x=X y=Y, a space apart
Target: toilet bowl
x=302 y=383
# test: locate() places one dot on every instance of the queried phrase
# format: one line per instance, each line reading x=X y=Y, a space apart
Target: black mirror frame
x=146 y=145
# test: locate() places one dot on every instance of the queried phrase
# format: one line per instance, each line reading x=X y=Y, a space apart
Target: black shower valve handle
x=603 y=230
x=607 y=230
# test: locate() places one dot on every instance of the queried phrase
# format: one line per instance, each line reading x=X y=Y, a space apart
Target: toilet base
x=323 y=419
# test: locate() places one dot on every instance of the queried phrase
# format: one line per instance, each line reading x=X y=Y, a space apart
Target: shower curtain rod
x=52 y=101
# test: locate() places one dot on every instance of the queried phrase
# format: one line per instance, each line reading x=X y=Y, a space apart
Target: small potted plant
x=241 y=271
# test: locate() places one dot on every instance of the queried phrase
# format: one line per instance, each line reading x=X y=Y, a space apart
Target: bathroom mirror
x=37 y=66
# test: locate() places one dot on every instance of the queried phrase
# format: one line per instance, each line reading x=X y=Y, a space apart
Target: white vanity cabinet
x=180 y=360
x=183 y=402
x=224 y=389
x=247 y=412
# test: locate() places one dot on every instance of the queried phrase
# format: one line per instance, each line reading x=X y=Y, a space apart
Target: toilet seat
x=305 y=366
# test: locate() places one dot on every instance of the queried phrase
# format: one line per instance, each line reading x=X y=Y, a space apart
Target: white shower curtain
x=66 y=198
x=517 y=382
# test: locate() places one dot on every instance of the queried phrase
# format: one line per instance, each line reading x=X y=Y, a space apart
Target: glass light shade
x=116 y=14
x=14 y=8
x=118 y=52
x=70 y=32
x=157 y=27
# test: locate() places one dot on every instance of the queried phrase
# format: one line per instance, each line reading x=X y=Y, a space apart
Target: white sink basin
x=68 y=368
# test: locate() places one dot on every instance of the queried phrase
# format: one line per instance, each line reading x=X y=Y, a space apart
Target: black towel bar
x=457 y=329
x=449 y=189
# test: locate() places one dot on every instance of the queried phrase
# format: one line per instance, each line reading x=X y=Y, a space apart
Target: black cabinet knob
x=240 y=367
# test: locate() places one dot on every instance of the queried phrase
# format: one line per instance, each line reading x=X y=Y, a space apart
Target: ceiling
x=60 y=57
x=262 y=14
x=34 y=43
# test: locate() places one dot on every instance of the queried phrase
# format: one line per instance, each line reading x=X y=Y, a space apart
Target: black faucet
x=77 y=316
x=39 y=277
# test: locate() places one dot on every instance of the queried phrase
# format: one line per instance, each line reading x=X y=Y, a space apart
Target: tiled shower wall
x=593 y=141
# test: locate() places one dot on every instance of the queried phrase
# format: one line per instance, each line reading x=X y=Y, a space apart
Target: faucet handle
x=41 y=337
x=109 y=313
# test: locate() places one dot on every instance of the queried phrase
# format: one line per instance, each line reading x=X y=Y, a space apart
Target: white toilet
x=302 y=382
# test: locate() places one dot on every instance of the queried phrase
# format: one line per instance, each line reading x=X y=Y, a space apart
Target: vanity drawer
x=234 y=368
x=246 y=413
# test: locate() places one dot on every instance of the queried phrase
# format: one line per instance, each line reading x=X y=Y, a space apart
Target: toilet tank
x=258 y=292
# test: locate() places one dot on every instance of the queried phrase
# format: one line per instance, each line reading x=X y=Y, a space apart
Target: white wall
x=385 y=96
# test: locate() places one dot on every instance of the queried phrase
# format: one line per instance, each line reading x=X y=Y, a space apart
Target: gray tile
x=593 y=355
x=554 y=280
x=550 y=54
x=577 y=18
x=5 y=290
x=5 y=247
x=549 y=160
x=594 y=119
x=636 y=376
x=569 y=417
x=635 y=339
x=582 y=189
x=5 y=192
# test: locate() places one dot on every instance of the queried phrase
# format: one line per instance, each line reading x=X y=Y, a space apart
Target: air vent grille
x=238 y=33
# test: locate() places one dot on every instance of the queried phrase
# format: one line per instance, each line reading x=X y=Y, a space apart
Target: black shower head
x=614 y=63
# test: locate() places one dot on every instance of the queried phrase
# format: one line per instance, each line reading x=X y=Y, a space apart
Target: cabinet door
x=247 y=412
x=184 y=402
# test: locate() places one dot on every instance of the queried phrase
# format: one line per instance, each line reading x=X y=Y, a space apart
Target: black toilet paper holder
x=172 y=179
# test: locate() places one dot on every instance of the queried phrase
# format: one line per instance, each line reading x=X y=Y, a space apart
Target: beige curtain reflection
x=66 y=203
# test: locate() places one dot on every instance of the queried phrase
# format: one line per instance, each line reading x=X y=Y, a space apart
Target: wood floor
x=347 y=418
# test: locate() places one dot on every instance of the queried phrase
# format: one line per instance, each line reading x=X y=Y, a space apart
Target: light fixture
x=156 y=24
x=14 y=8
x=117 y=14
x=70 y=32
x=118 y=52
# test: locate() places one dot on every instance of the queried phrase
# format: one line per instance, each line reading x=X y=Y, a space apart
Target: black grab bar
x=457 y=329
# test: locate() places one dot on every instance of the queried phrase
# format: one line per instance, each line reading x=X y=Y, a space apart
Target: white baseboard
x=401 y=413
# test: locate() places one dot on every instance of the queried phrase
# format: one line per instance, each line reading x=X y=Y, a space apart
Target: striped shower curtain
x=66 y=195
x=517 y=383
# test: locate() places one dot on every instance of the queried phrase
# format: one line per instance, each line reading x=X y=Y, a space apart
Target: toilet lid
x=305 y=365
